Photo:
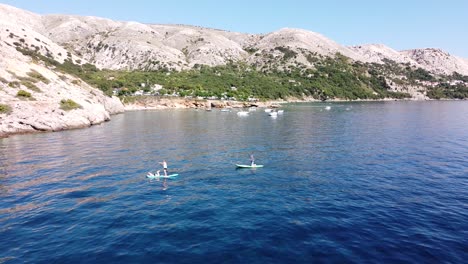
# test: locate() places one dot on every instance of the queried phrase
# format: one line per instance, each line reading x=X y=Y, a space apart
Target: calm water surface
x=359 y=183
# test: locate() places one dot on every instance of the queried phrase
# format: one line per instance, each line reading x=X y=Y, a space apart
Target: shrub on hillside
x=69 y=104
x=39 y=77
x=24 y=94
x=31 y=86
x=14 y=84
x=5 y=109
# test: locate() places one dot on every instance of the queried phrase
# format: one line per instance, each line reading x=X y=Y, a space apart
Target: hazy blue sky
x=398 y=24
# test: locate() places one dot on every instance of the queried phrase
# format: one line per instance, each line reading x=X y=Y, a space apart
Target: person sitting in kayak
x=252 y=160
x=164 y=164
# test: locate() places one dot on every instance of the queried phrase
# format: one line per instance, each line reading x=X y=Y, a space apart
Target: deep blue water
x=382 y=182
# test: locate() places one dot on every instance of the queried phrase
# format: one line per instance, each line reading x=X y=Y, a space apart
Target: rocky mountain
x=438 y=61
x=35 y=96
x=433 y=60
x=378 y=53
x=131 y=45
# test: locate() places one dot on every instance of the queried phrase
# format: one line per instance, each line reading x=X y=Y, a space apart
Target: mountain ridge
x=124 y=45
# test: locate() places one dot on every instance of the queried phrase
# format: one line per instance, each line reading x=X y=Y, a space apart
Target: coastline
x=167 y=103
x=46 y=129
x=161 y=103
x=30 y=117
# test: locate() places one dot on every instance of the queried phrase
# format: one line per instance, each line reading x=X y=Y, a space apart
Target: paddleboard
x=152 y=176
x=249 y=166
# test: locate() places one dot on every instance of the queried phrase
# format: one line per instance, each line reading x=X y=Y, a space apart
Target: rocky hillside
x=438 y=61
x=35 y=96
x=379 y=53
x=130 y=45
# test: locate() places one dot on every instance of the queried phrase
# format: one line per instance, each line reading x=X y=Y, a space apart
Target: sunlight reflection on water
x=350 y=181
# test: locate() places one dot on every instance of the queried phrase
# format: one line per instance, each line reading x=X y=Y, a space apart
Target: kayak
x=153 y=176
x=249 y=166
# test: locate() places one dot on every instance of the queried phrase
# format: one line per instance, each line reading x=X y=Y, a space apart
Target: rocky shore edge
x=36 y=117
x=149 y=103
x=28 y=117
x=156 y=103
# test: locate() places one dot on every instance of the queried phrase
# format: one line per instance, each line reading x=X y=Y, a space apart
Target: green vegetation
x=287 y=52
x=23 y=94
x=14 y=84
x=31 y=86
x=447 y=91
x=128 y=99
x=81 y=71
x=330 y=78
x=459 y=77
x=418 y=74
x=69 y=104
x=5 y=109
x=251 y=50
x=37 y=76
x=27 y=79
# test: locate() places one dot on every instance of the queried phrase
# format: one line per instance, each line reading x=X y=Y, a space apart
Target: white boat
x=280 y=112
x=268 y=110
x=242 y=113
x=225 y=110
x=273 y=114
x=327 y=107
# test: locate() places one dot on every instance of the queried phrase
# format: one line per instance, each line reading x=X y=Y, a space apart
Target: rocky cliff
x=35 y=97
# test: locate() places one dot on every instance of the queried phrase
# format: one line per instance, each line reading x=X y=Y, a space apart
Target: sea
x=342 y=182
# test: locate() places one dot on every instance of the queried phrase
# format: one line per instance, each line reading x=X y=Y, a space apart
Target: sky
x=398 y=24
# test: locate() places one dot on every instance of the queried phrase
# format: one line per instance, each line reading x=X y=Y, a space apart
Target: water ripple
x=360 y=183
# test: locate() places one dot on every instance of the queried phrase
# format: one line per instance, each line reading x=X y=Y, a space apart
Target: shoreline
x=199 y=104
x=163 y=103
x=60 y=129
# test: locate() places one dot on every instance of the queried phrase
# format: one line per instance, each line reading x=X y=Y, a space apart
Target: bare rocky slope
x=378 y=53
x=31 y=93
x=131 y=45
x=438 y=61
